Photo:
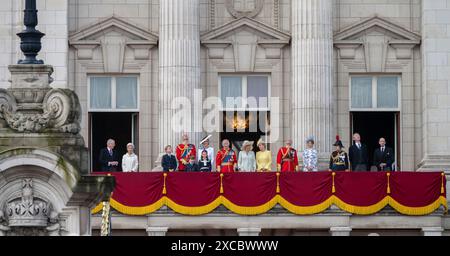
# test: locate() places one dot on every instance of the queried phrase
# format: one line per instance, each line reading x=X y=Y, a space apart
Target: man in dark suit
x=383 y=157
x=169 y=161
x=358 y=155
x=109 y=158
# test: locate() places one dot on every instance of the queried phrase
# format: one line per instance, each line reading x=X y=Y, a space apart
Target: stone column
x=435 y=83
x=312 y=61
x=249 y=231
x=432 y=231
x=157 y=231
x=340 y=231
x=179 y=69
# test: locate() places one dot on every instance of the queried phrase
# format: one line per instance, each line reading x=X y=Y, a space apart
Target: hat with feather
x=338 y=142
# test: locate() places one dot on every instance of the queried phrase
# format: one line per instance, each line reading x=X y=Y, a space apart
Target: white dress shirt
x=130 y=163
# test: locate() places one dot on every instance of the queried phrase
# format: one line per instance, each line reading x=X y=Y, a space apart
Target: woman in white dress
x=247 y=159
x=130 y=160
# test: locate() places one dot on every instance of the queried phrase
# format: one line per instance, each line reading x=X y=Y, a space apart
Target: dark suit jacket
x=168 y=162
x=386 y=157
x=105 y=157
x=191 y=168
x=358 y=156
x=204 y=166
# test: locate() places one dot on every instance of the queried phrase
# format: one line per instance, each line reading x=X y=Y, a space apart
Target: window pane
x=387 y=92
x=100 y=93
x=361 y=92
x=231 y=87
x=258 y=87
x=126 y=92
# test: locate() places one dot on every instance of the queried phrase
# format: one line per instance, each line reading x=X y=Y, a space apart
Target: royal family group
x=188 y=159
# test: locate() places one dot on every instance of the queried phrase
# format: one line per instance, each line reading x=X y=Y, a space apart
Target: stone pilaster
x=157 y=231
x=432 y=231
x=312 y=62
x=179 y=69
x=435 y=83
x=340 y=231
x=249 y=231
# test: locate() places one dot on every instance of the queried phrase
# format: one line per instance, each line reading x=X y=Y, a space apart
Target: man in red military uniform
x=287 y=160
x=184 y=152
x=226 y=158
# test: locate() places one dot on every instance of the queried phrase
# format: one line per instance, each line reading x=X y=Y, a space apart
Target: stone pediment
x=376 y=36
x=113 y=23
x=113 y=35
x=357 y=30
x=245 y=35
x=264 y=32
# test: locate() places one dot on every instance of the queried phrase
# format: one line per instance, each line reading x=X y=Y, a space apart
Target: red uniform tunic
x=183 y=154
x=287 y=160
x=226 y=160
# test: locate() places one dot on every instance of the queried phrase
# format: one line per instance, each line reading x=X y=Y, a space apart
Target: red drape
x=249 y=189
x=409 y=193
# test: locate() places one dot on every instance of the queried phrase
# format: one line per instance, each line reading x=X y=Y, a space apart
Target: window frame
x=244 y=83
x=375 y=93
x=113 y=107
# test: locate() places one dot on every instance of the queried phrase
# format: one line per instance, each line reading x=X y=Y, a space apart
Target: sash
x=185 y=151
x=227 y=156
x=285 y=154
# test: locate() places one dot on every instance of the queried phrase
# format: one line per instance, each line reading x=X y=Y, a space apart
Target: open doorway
x=120 y=126
x=374 y=125
x=239 y=126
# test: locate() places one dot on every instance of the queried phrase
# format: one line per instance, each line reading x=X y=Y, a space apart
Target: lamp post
x=30 y=42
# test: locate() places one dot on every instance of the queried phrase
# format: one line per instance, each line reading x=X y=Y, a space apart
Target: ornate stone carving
x=27 y=211
x=29 y=215
x=33 y=108
x=244 y=8
x=4 y=228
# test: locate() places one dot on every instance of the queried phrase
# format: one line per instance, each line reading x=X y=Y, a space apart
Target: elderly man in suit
x=358 y=155
x=109 y=159
x=383 y=157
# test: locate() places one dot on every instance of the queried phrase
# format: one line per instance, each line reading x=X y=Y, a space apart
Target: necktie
x=382 y=150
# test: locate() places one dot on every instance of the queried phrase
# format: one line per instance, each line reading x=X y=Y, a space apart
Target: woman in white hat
x=246 y=160
x=263 y=158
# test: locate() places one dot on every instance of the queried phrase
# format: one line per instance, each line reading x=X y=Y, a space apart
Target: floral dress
x=309 y=156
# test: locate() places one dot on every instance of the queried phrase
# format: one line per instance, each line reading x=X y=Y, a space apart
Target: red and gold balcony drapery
x=300 y=193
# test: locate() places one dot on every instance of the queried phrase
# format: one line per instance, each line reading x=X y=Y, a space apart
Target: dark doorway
x=120 y=127
x=245 y=125
x=374 y=125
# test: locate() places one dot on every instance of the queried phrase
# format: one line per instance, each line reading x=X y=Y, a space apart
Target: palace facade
x=380 y=68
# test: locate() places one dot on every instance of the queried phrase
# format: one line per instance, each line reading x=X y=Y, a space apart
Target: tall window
x=248 y=87
x=113 y=113
x=111 y=93
x=245 y=109
x=375 y=93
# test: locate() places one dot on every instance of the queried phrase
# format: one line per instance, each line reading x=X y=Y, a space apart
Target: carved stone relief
x=30 y=108
x=244 y=8
x=29 y=215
